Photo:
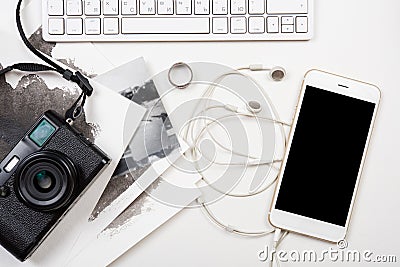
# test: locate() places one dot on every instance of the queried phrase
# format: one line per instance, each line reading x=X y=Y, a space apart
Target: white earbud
x=252 y=107
x=276 y=73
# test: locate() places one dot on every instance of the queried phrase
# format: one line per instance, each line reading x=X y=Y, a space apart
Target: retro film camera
x=41 y=179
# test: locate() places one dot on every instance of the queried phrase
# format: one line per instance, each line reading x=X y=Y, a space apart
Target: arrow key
x=272 y=24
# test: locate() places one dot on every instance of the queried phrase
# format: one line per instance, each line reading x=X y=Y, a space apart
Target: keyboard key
x=220 y=7
x=74 y=7
x=238 y=7
x=286 y=20
x=257 y=6
x=301 y=24
x=92 y=26
x=55 y=7
x=147 y=7
x=201 y=7
x=56 y=26
x=110 y=26
x=256 y=25
x=184 y=7
x=165 y=25
x=272 y=24
x=92 y=7
x=238 y=24
x=287 y=28
x=286 y=6
x=110 y=7
x=220 y=25
x=165 y=7
x=128 y=7
x=74 y=26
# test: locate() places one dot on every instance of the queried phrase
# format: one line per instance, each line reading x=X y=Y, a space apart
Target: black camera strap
x=77 y=108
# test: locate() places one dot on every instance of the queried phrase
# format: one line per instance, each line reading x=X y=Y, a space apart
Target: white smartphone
x=326 y=150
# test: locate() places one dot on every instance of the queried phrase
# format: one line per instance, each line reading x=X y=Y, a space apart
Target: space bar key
x=165 y=25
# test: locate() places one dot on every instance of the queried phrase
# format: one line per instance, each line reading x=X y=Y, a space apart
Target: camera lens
x=45 y=180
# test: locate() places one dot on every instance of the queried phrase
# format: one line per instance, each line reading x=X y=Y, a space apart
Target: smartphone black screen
x=325 y=156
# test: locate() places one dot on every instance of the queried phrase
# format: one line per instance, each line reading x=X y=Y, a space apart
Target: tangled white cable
x=252 y=108
x=250 y=111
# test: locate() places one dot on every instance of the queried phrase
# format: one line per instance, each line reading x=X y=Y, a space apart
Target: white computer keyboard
x=177 y=20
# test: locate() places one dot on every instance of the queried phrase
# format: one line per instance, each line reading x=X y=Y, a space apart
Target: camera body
x=41 y=179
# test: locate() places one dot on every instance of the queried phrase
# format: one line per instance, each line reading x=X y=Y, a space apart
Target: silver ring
x=182 y=85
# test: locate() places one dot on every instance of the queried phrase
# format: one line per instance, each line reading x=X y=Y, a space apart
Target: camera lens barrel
x=46 y=180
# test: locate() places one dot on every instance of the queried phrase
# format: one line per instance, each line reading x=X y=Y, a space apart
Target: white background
x=358 y=39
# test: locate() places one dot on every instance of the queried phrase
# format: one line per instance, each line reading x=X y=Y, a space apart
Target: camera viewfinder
x=42 y=132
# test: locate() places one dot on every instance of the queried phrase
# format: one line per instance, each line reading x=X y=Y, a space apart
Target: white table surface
x=358 y=39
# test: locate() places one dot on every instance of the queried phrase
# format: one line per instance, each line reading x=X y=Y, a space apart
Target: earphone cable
x=229 y=228
x=194 y=149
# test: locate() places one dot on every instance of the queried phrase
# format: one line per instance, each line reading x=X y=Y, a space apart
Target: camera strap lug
x=4 y=191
